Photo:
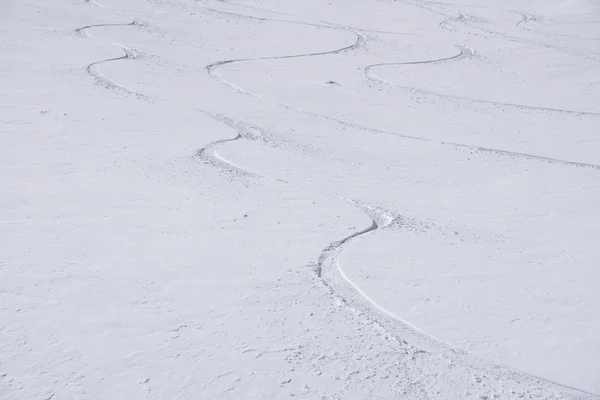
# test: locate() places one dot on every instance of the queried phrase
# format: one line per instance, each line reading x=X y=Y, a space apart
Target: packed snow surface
x=318 y=199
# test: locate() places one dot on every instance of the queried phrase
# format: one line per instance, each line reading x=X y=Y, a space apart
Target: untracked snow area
x=318 y=199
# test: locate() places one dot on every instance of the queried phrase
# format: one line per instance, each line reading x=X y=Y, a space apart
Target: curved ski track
x=211 y=68
x=515 y=39
x=330 y=272
x=129 y=54
x=465 y=52
x=526 y=17
x=409 y=336
x=210 y=150
x=444 y=23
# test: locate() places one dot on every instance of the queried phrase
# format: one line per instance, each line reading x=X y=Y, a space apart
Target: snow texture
x=320 y=199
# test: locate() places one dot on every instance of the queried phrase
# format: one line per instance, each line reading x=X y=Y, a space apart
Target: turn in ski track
x=465 y=52
x=129 y=54
x=328 y=267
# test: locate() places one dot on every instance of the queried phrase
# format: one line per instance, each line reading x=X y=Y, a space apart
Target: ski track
x=347 y=291
x=328 y=269
x=410 y=337
x=331 y=274
x=255 y=8
x=465 y=52
x=526 y=17
x=444 y=23
x=323 y=24
x=209 y=152
x=515 y=39
x=129 y=54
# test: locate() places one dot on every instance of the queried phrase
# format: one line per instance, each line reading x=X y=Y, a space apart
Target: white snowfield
x=317 y=199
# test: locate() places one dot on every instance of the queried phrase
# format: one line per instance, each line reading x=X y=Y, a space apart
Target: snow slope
x=321 y=199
